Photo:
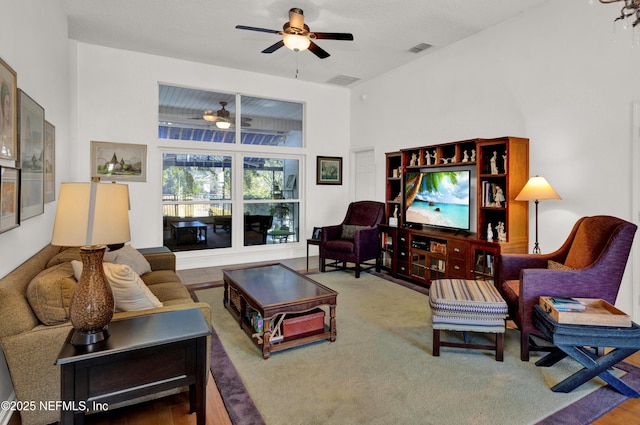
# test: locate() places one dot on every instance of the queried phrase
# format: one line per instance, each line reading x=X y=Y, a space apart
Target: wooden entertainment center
x=422 y=253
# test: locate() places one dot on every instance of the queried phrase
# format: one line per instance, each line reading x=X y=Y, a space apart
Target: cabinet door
x=386 y=254
x=419 y=265
x=484 y=264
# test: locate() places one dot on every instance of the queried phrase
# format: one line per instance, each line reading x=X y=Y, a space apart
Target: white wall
x=117 y=101
x=552 y=75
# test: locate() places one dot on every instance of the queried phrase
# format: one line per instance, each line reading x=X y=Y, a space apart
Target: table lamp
x=91 y=216
x=537 y=189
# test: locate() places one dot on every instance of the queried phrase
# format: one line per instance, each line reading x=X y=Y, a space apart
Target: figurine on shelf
x=489 y=233
x=499 y=197
x=473 y=155
x=502 y=235
x=504 y=162
x=395 y=212
x=444 y=160
x=494 y=166
x=465 y=156
x=414 y=160
x=453 y=159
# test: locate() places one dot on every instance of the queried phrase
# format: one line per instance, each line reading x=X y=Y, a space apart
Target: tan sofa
x=31 y=347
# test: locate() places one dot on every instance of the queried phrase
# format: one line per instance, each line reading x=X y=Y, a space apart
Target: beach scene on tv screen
x=438 y=199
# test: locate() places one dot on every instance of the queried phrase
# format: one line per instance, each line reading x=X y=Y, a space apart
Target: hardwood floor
x=174 y=410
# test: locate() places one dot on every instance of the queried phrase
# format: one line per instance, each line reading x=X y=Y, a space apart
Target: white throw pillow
x=130 y=256
x=129 y=291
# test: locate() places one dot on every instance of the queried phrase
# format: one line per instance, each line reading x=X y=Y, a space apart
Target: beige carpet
x=380 y=370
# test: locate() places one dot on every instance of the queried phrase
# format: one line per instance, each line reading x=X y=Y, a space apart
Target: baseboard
x=5 y=414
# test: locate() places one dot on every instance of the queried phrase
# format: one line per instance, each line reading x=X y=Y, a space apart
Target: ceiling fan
x=297 y=35
x=222 y=117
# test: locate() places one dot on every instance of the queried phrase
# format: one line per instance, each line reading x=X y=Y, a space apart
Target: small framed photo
x=8 y=112
x=31 y=135
x=329 y=170
x=9 y=198
x=119 y=161
x=317 y=233
x=49 y=162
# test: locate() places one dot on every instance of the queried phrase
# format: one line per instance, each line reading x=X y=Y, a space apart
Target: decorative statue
x=494 y=166
x=499 y=197
x=502 y=235
x=489 y=232
x=427 y=158
x=473 y=155
x=465 y=156
x=414 y=160
x=395 y=212
x=504 y=162
x=453 y=159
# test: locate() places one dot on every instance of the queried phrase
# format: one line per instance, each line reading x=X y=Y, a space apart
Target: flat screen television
x=439 y=198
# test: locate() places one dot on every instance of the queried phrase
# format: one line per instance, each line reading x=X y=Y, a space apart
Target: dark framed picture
x=9 y=112
x=9 y=198
x=317 y=233
x=329 y=170
x=31 y=136
x=49 y=162
x=119 y=161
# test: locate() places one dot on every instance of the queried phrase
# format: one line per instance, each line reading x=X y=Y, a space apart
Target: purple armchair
x=590 y=264
x=354 y=240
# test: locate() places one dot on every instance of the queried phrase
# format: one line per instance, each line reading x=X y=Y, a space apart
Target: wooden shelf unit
x=424 y=254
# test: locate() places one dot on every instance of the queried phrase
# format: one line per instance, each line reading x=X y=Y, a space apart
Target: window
x=264 y=206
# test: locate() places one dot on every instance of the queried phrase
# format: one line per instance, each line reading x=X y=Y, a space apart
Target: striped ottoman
x=467 y=306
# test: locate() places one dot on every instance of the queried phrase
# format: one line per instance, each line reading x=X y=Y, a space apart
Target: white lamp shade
x=223 y=123
x=92 y=214
x=296 y=42
x=537 y=189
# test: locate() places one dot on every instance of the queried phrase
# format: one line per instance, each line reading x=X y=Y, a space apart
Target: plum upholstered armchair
x=355 y=240
x=589 y=264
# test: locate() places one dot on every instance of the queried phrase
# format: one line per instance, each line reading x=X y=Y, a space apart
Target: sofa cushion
x=50 y=293
x=160 y=276
x=129 y=256
x=21 y=318
x=129 y=291
x=349 y=230
x=65 y=256
x=554 y=265
x=171 y=293
x=340 y=245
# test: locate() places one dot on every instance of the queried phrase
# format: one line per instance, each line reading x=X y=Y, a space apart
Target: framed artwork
x=31 y=136
x=119 y=161
x=9 y=198
x=329 y=170
x=317 y=233
x=9 y=112
x=49 y=162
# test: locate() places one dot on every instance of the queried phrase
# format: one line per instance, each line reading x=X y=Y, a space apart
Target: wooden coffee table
x=273 y=290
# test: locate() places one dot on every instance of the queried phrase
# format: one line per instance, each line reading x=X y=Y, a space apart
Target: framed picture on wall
x=329 y=170
x=119 y=161
x=31 y=136
x=49 y=162
x=9 y=198
x=9 y=112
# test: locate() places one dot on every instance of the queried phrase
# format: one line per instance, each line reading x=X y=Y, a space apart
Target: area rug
x=380 y=370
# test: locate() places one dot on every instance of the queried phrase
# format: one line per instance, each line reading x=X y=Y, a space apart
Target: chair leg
x=322 y=264
x=436 y=342
x=524 y=346
x=357 y=270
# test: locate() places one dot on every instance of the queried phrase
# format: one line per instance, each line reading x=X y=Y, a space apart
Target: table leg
x=332 y=322
x=266 y=338
x=596 y=366
x=307 y=256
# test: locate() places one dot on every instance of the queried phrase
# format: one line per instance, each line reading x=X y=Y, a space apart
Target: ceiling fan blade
x=274 y=47
x=318 y=51
x=243 y=27
x=332 y=36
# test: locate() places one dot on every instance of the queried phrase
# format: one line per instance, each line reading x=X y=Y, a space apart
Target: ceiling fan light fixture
x=223 y=124
x=296 y=42
x=209 y=115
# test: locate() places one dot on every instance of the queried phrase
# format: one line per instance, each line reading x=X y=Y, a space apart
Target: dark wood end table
x=144 y=355
x=316 y=242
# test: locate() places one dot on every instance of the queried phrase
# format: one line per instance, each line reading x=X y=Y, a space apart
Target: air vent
x=342 y=80
x=419 y=47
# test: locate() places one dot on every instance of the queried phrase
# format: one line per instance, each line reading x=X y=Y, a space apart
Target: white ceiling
x=204 y=31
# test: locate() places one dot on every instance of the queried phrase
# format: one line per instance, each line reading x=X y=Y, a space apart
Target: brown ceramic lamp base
x=92 y=304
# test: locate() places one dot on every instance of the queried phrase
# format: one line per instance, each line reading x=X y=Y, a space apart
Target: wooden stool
x=467 y=306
